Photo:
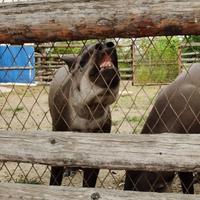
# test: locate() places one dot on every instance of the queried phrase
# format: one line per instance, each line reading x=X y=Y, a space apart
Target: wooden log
x=180 y=64
x=160 y=63
x=16 y=68
x=186 y=65
x=128 y=69
x=44 y=55
x=190 y=44
x=151 y=84
x=164 y=152
x=10 y=191
x=133 y=55
x=195 y=53
x=191 y=60
x=56 y=20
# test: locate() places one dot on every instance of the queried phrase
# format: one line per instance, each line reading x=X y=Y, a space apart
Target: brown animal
x=80 y=96
x=176 y=110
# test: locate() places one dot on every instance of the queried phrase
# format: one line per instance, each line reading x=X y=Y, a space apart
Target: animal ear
x=70 y=61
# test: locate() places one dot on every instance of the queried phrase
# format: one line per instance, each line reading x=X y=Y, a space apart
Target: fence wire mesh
x=146 y=66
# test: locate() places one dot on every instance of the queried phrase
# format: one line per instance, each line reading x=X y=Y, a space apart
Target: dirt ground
x=26 y=108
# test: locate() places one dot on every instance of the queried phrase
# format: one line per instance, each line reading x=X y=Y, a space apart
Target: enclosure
x=155 y=42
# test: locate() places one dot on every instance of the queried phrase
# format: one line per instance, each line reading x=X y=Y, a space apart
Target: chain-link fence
x=145 y=65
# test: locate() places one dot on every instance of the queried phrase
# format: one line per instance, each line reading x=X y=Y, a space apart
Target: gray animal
x=176 y=110
x=80 y=96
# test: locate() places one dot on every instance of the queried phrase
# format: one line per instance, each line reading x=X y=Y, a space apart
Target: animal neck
x=91 y=111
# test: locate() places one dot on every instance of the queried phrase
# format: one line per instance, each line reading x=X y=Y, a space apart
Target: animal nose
x=104 y=46
x=99 y=46
x=110 y=45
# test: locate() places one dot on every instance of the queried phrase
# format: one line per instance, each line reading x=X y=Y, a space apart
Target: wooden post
x=180 y=64
x=56 y=20
x=133 y=63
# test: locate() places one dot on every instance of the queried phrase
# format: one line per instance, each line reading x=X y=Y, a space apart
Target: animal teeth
x=106 y=64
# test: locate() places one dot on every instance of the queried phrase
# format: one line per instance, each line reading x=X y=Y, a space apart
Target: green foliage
x=133 y=118
x=15 y=110
x=158 y=75
x=72 y=48
x=24 y=180
x=159 y=62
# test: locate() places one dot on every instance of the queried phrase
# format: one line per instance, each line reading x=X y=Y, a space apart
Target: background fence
x=146 y=65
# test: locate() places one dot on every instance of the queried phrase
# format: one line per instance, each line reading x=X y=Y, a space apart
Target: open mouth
x=106 y=63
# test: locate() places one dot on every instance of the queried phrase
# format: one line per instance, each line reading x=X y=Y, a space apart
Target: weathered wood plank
x=195 y=53
x=41 y=192
x=171 y=152
x=56 y=20
x=190 y=44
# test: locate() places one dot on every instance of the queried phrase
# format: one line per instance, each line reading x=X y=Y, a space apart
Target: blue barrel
x=17 y=64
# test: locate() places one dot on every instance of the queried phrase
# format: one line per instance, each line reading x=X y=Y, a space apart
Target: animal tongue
x=107 y=63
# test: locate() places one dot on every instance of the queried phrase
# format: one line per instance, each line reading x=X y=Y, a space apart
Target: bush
x=160 y=63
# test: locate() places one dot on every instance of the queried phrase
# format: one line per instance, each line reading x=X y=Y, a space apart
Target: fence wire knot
x=95 y=196
x=52 y=141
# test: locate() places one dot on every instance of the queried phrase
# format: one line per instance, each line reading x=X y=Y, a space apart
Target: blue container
x=17 y=64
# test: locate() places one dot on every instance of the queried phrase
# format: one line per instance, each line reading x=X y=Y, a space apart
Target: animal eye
x=82 y=63
x=98 y=46
x=84 y=60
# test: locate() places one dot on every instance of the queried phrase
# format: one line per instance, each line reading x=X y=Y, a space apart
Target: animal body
x=176 y=110
x=80 y=95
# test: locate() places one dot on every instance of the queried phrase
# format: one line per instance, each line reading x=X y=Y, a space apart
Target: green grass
x=18 y=109
x=156 y=74
x=15 y=110
x=133 y=119
x=24 y=180
x=115 y=122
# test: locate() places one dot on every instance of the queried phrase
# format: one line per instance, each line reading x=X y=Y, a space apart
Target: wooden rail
x=41 y=192
x=47 y=63
x=16 y=68
x=190 y=44
x=190 y=60
x=56 y=20
x=186 y=59
x=195 y=53
x=164 y=152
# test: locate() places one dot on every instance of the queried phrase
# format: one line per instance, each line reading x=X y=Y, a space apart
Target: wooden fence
x=58 y=20
x=164 y=152
x=47 y=63
x=185 y=59
x=35 y=192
